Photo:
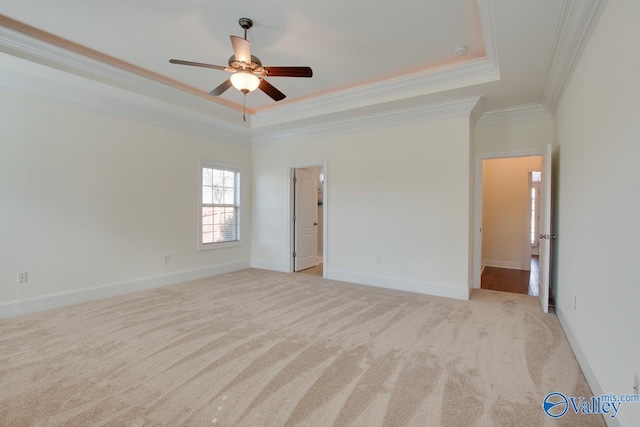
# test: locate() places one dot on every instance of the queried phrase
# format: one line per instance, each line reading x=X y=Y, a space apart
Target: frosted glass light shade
x=245 y=81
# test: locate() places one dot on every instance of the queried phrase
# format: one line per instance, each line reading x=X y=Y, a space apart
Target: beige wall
x=514 y=136
x=598 y=206
x=389 y=194
x=505 y=211
x=90 y=199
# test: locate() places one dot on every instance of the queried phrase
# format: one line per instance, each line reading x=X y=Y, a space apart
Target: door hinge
x=295 y=180
x=294 y=254
x=294 y=217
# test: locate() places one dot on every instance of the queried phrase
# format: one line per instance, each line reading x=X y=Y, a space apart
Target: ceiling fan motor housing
x=255 y=66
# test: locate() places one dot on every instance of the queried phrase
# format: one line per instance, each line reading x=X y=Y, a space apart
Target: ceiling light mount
x=245 y=24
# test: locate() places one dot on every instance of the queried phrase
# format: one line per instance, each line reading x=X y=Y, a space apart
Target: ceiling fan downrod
x=245 y=23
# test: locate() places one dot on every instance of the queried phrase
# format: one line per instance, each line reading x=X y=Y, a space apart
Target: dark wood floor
x=515 y=281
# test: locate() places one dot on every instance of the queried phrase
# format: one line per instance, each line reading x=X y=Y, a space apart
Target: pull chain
x=244 y=108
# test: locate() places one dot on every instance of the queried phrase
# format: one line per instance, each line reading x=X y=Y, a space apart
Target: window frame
x=238 y=206
x=534 y=186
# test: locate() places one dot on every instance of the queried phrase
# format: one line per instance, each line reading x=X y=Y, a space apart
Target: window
x=535 y=193
x=219 y=206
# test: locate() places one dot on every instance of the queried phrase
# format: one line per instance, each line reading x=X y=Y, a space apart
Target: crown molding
x=477 y=111
x=24 y=76
x=401 y=116
x=20 y=42
x=578 y=19
x=509 y=115
x=481 y=71
x=472 y=73
x=489 y=35
x=21 y=45
x=48 y=67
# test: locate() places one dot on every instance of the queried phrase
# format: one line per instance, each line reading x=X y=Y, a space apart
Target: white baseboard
x=592 y=379
x=513 y=265
x=270 y=265
x=63 y=299
x=401 y=284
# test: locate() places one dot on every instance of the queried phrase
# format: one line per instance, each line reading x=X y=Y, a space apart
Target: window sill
x=213 y=246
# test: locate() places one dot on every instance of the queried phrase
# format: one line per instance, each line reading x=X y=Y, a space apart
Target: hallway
x=514 y=281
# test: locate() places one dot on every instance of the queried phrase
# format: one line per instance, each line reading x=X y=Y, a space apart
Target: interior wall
x=505 y=211
x=598 y=207
x=514 y=136
x=91 y=199
x=390 y=196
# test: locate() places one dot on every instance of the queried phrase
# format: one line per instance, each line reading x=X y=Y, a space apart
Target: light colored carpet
x=259 y=348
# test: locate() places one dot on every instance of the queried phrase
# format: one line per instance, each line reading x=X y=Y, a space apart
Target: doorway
x=545 y=236
x=505 y=251
x=308 y=219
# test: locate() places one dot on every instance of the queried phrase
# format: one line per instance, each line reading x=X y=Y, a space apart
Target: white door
x=544 y=246
x=305 y=219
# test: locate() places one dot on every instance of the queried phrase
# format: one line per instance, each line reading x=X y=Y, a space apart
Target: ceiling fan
x=248 y=72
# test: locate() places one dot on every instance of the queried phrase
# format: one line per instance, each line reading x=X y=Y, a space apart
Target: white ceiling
x=363 y=54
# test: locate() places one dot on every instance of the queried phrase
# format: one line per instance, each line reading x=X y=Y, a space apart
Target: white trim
x=270 y=265
x=592 y=378
x=402 y=284
x=578 y=20
x=398 y=117
x=511 y=265
x=63 y=299
x=477 y=217
x=515 y=114
x=487 y=17
x=479 y=72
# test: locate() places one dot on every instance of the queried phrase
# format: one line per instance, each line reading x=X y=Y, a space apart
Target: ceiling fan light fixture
x=245 y=81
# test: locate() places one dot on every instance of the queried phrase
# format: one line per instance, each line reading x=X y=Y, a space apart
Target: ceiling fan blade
x=197 y=64
x=270 y=90
x=241 y=49
x=220 y=89
x=289 y=71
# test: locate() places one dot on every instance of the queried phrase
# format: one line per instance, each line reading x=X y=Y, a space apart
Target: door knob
x=315 y=223
x=542 y=236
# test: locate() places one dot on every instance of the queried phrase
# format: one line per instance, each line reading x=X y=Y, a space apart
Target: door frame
x=477 y=217
x=291 y=167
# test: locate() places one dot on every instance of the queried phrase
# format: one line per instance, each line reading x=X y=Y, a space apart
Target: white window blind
x=220 y=207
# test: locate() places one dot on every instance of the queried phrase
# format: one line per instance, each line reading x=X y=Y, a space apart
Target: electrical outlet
x=22 y=277
x=166 y=259
x=379 y=260
x=266 y=248
x=575 y=303
x=636 y=384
